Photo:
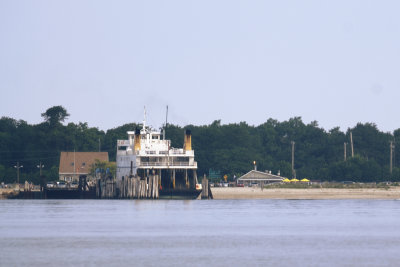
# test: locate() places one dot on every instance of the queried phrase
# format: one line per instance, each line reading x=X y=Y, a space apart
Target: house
x=258 y=177
x=74 y=164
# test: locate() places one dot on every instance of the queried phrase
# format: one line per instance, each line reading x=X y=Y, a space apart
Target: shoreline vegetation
x=220 y=149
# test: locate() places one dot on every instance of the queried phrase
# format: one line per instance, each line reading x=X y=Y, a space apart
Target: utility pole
x=74 y=165
x=99 y=145
x=351 y=143
x=394 y=152
x=345 y=151
x=18 y=167
x=40 y=166
x=293 y=172
x=391 y=157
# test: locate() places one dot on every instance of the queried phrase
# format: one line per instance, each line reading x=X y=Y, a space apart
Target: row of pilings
x=128 y=188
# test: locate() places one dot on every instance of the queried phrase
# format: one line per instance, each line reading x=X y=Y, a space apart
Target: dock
x=128 y=188
x=132 y=187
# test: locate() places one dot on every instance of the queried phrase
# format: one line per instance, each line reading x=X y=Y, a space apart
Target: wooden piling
x=204 y=185
x=210 y=194
x=206 y=192
x=128 y=188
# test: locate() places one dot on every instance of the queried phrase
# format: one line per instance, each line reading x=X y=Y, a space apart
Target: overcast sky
x=336 y=62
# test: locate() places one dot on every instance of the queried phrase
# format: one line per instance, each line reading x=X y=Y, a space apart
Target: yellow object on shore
x=305 y=180
x=294 y=180
x=306 y=193
x=286 y=180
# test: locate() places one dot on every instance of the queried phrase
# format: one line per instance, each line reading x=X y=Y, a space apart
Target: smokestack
x=187 y=144
x=137 y=139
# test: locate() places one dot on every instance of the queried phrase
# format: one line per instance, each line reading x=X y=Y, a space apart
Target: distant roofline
x=272 y=176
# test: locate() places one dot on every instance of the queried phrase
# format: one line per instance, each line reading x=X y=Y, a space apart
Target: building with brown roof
x=74 y=164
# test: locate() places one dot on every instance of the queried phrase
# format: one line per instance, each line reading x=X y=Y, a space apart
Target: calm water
x=200 y=233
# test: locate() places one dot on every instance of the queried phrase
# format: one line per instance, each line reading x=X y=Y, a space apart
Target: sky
x=335 y=62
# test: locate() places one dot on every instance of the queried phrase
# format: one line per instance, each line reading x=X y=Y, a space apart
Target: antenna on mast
x=166 y=123
x=144 y=119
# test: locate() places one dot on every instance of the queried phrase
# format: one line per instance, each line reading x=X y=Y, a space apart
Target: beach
x=5 y=192
x=311 y=193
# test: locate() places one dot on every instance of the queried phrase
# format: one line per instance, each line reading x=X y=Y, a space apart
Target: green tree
x=103 y=166
x=55 y=115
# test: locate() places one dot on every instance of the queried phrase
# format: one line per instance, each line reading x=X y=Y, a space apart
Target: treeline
x=229 y=149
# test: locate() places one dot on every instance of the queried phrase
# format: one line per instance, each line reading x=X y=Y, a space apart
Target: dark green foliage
x=32 y=144
x=55 y=115
x=230 y=149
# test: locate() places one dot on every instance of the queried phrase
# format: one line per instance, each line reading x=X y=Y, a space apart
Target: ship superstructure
x=147 y=153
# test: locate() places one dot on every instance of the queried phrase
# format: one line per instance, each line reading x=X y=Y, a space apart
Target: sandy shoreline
x=317 y=193
x=4 y=192
x=290 y=193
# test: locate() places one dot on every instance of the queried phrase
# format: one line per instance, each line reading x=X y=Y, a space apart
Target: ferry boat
x=147 y=152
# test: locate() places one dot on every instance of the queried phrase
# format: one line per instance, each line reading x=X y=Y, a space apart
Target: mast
x=144 y=119
x=166 y=123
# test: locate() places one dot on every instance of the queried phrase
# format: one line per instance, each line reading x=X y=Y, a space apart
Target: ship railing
x=153 y=164
x=177 y=152
x=187 y=152
x=163 y=152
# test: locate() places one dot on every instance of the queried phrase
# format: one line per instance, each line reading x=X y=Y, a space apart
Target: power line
x=25 y=151
x=28 y=159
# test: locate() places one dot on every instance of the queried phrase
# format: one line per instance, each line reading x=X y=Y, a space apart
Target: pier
x=131 y=187
x=128 y=188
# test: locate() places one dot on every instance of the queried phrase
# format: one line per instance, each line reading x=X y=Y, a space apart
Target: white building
x=257 y=177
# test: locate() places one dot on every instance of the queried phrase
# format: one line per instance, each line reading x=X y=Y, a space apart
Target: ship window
x=144 y=159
